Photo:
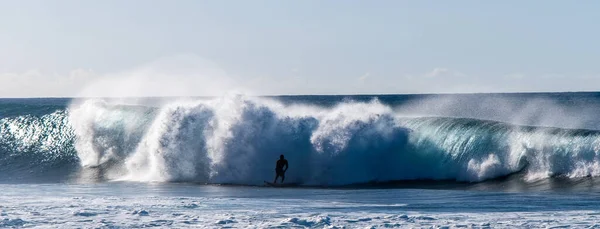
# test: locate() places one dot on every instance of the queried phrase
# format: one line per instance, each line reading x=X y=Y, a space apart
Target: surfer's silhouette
x=279 y=171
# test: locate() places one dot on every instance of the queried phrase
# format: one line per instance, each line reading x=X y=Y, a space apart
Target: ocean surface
x=528 y=160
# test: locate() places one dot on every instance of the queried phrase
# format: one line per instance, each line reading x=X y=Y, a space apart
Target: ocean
x=520 y=160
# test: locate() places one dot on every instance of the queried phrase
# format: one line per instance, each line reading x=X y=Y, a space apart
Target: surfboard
x=281 y=185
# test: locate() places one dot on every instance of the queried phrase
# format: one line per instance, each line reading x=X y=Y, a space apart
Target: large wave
x=237 y=139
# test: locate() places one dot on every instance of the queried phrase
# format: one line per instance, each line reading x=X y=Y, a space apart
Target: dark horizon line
x=288 y=95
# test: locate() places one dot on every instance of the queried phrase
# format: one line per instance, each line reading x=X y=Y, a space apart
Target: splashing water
x=237 y=139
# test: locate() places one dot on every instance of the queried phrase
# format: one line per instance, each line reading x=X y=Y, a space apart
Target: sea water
x=135 y=205
x=368 y=161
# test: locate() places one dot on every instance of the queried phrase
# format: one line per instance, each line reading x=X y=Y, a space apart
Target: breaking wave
x=237 y=139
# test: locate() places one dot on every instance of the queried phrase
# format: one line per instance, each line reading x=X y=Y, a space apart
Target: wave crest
x=237 y=140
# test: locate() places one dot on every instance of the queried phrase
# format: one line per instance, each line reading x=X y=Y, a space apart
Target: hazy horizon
x=68 y=48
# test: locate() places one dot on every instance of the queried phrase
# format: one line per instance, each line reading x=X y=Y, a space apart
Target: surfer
x=279 y=171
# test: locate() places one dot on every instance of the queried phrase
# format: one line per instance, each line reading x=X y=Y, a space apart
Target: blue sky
x=75 y=48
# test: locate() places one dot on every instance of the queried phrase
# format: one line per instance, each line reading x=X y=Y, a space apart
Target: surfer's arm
x=286 y=166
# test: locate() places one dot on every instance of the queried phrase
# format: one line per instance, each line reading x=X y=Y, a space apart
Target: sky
x=71 y=48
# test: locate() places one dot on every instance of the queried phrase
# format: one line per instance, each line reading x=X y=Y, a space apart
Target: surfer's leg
x=282 y=177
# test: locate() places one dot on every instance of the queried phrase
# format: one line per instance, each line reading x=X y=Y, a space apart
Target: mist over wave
x=237 y=139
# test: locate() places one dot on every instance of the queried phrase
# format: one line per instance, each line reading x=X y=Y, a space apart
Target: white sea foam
x=112 y=205
x=236 y=139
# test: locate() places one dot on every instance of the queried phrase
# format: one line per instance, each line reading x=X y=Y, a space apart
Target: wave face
x=237 y=140
x=31 y=146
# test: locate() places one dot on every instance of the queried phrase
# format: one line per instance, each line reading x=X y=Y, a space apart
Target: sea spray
x=237 y=139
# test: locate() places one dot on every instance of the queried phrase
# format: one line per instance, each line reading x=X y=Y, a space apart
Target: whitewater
x=479 y=160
